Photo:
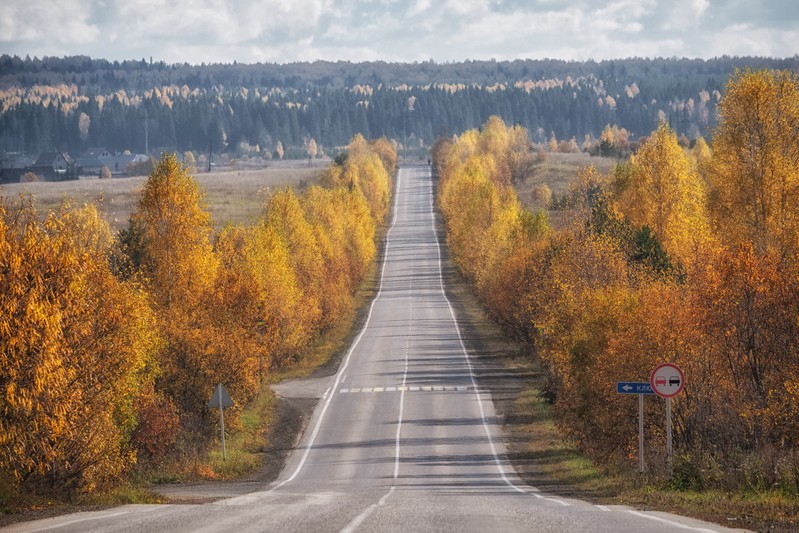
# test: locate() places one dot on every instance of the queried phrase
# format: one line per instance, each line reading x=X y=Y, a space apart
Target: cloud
x=36 y=21
x=197 y=31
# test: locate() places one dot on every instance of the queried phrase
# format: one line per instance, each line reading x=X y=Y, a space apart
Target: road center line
x=358 y=520
x=403 y=388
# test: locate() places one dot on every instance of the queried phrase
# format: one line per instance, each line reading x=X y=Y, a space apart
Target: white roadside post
x=667 y=380
x=221 y=399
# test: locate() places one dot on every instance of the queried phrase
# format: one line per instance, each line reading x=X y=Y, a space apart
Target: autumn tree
x=755 y=168
x=75 y=350
x=286 y=217
x=189 y=160
x=387 y=153
x=702 y=156
x=311 y=150
x=364 y=167
x=663 y=191
x=84 y=122
x=170 y=239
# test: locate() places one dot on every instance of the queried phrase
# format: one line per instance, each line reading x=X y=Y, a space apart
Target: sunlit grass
x=245 y=446
x=231 y=197
x=557 y=171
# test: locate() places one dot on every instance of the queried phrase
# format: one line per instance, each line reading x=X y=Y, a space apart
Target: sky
x=284 y=31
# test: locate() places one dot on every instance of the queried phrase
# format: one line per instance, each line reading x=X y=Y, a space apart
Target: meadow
x=557 y=171
x=232 y=196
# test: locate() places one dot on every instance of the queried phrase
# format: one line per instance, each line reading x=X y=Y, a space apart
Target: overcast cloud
x=248 y=31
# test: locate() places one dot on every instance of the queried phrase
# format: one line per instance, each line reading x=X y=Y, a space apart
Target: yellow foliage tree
x=755 y=168
x=665 y=193
x=75 y=348
x=173 y=245
x=286 y=217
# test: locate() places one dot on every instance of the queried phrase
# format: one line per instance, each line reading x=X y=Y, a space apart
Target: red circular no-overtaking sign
x=667 y=380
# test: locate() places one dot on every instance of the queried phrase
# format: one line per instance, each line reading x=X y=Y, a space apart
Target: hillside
x=74 y=103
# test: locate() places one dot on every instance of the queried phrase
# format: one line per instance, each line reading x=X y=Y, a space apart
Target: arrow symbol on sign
x=627 y=388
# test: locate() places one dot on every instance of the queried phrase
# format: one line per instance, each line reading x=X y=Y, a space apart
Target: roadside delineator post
x=221 y=399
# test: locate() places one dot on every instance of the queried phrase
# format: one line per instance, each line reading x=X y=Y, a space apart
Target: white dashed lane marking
x=409 y=388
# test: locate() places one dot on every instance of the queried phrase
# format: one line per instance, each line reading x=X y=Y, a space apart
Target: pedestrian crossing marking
x=408 y=388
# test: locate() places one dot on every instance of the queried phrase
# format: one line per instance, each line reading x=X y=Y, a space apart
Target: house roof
x=47 y=158
x=88 y=161
x=97 y=151
x=15 y=160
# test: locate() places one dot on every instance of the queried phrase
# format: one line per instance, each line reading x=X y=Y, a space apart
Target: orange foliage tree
x=75 y=348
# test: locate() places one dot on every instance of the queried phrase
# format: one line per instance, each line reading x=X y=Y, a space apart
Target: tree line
x=71 y=104
x=110 y=346
x=676 y=255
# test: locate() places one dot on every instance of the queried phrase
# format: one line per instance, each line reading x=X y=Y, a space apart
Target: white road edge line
x=497 y=461
x=671 y=522
x=86 y=519
x=355 y=343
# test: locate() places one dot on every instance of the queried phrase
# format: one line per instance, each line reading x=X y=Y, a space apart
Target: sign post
x=667 y=380
x=639 y=388
x=221 y=399
x=640 y=433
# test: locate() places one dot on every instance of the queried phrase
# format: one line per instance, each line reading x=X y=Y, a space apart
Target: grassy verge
x=245 y=447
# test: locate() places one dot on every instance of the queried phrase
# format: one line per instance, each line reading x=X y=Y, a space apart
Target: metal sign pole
x=669 y=458
x=222 y=422
x=668 y=380
x=640 y=433
x=641 y=389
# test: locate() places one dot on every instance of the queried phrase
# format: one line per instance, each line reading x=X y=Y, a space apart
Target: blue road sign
x=631 y=387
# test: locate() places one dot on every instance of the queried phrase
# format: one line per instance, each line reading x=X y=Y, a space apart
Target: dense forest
x=74 y=103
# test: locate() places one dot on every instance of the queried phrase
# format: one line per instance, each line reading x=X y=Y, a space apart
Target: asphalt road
x=402 y=439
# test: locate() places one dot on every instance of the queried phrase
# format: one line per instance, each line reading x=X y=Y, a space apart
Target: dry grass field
x=235 y=196
x=557 y=172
